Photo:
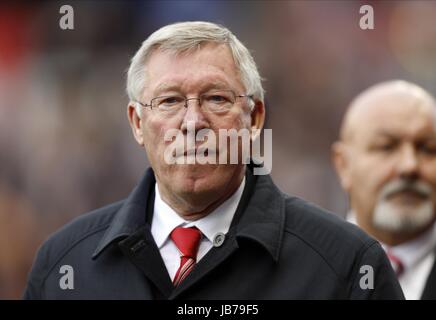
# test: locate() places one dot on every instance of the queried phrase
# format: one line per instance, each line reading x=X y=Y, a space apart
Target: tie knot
x=187 y=241
x=396 y=263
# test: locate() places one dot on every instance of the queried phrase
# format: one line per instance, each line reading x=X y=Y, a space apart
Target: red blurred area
x=15 y=22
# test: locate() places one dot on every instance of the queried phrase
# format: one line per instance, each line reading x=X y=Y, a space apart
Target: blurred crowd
x=65 y=144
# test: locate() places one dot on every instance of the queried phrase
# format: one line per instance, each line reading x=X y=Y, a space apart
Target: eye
x=428 y=149
x=217 y=98
x=387 y=147
x=170 y=101
x=384 y=147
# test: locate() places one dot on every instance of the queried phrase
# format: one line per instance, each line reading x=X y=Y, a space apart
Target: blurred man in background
x=386 y=161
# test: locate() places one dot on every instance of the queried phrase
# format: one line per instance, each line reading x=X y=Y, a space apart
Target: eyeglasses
x=217 y=102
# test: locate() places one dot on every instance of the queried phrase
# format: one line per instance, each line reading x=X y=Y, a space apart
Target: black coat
x=278 y=247
x=429 y=292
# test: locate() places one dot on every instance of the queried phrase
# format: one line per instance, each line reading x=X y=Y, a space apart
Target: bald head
x=386 y=160
x=383 y=99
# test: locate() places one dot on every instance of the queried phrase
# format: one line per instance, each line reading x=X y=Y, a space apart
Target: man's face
x=391 y=164
x=192 y=74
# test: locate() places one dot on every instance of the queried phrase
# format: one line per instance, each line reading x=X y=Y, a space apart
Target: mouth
x=409 y=196
x=191 y=152
x=200 y=152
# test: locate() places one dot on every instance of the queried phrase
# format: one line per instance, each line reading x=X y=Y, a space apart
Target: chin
x=198 y=180
x=406 y=219
x=191 y=177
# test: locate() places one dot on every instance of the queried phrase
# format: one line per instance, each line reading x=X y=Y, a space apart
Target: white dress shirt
x=165 y=219
x=417 y=257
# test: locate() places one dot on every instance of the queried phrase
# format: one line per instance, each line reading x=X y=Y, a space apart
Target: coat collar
x=260 y=215
x=132 y=214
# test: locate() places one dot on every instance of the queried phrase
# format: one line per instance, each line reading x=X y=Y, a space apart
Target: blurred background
x=65 y=143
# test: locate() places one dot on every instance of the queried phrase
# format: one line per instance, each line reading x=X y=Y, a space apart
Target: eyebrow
x=393 y=136
x=386 y=134
x=166 y=87
x=216 y=85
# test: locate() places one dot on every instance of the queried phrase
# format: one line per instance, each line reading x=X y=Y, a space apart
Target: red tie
x=397 y=264
x=187 y=241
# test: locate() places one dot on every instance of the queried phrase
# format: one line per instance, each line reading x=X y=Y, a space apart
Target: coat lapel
x=142 y=251
x=211 y=261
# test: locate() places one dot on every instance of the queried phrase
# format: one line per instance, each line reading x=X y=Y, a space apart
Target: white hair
x=185 y=36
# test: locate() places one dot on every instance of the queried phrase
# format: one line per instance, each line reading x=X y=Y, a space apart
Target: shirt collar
x=410 y=252
x=413 y=251
x=351 y=217
x=165 y=219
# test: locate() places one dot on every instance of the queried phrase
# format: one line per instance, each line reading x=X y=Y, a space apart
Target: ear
x=257 y=119
x=342 y=162
x=135 y=123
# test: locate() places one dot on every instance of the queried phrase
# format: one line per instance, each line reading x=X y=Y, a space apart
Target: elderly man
x=386 y=161
x=205 y=230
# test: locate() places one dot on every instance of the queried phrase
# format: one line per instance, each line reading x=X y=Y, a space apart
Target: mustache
x=401 y=185
x=199 y=151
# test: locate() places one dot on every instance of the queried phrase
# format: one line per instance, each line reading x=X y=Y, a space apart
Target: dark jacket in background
x=278 y=247
x=429 y=292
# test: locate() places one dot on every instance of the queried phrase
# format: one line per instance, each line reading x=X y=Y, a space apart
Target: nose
x=408 y=165
x=194 y=116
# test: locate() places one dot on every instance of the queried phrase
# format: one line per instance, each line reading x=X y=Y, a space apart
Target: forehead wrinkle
x=222 y=76
x=371 y=101
x=202 y=85
x=400 y=126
